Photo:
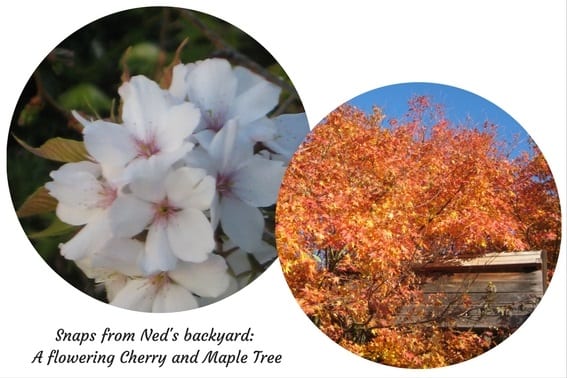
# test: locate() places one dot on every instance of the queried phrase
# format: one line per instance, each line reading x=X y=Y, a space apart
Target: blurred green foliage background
x=84 y=72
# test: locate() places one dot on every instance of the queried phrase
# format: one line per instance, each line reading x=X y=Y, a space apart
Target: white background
x=510 y=52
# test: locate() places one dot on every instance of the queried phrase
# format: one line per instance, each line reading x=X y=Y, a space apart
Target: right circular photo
x=418 y=225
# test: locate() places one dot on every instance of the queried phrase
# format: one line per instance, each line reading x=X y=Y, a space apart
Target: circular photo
x=145 y=157
x=418 y=225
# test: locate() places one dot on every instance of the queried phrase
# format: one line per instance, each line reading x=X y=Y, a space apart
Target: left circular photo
x=145 y=157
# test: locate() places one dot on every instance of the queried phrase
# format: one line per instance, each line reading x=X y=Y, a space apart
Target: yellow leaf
x=58 y=149
x=38 y=202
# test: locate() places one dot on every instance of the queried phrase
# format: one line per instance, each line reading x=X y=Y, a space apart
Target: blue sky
x=460 y=106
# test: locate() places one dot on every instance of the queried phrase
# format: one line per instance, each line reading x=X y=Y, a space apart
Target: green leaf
x=38 y=202
x=86 y=97
x=56 y=228
x=58 y=149
x=142 y=59
x=29 y=114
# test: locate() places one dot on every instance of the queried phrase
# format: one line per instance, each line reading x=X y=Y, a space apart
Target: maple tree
x=363 y=203
x=536 y=206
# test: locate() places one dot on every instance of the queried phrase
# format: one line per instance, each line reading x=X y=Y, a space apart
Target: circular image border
x=418 y=225
x=145 y=157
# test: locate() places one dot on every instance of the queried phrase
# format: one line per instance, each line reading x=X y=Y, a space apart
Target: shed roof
x=494 y=262
x=494 y=290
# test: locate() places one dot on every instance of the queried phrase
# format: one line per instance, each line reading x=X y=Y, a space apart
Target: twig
x=46 y=96
x=282 y=108
x=227 y=51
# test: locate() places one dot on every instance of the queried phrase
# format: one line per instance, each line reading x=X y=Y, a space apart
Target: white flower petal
x=110 y=144
x=144 y=106
x=86 y=267
x=225 y=150
x=261 y=130
x=202 y=194
x=113 y=284
x=76 y=185
x=178 y=86
x=239 y=262
x=258 y=182
x=115 y=175
x=199 y=158
x=82 y=192
x=255 y=102
x=207 y=279
x=232 y=288
x=156 y=165
x=180 y=121
x=89 y=239
x=190 y=235
x=149 y=188
x=129 y=216
x=158 y=256
x=243 y=223
x=120 y=255
x=172 y=298
x=69 y=169
x=246 y=79
x=82 y=121
x=212 y=86
x=204 y=137
x=190 y=187
x=215 y=211
x=222 y=145
x=264 y=253
x=181 y=181
x=75 y=215
x=291 y=131
x=137 y=294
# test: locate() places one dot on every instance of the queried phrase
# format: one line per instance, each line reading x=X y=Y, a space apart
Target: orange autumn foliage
x=361 y=204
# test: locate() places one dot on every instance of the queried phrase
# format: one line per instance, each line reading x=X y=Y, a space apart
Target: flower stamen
x=159 y=280
x=107 y=195
x=163 y=210
x=224 y=184
x=147 y=148
x=213 y=122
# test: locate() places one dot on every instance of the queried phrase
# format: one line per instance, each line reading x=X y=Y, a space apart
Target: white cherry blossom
x=180 y=163
x=171 y=208
x=153 y=134
x=223 y=93
x=244 y=182
x=84 y=198
x=168 y=291
x=290 y=131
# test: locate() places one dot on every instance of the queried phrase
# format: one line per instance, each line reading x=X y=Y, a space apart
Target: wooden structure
x=497 y=290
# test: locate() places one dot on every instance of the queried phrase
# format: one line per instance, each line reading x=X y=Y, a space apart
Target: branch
x=46 y=96
x=227 y=51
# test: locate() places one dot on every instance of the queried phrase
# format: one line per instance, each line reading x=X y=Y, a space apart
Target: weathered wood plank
x=491 y=262
x=490 y=321
x=502 y=290
x=498 y=297
x=481 y=315
x=529 y=283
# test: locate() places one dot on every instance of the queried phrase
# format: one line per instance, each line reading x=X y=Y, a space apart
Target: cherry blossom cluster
x=182 y=178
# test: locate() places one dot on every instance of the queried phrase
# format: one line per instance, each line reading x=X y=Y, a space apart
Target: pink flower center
x=163 y=210
x=214 y=122
x=160 y=280
x=224 y=184
x=107 y=195
x=147 y=148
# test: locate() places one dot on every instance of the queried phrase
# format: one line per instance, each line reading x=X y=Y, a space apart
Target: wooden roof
x=493 y=262
x=495 y=290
